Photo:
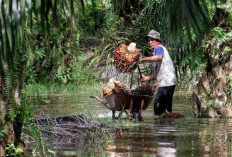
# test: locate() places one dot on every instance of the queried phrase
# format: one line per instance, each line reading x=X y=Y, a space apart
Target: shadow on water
x=154 y=136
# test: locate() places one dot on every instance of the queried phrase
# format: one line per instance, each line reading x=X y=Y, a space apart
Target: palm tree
x=13 y=16
x=192 y=16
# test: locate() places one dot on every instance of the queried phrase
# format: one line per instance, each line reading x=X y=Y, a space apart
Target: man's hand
x=143 y=60
x=144 y=78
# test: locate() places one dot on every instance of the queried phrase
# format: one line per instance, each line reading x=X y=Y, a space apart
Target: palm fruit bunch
x=126 y=57
x=143 y=90
x=114 y=87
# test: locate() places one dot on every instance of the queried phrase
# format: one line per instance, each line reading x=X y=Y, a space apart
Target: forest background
x=51 y=45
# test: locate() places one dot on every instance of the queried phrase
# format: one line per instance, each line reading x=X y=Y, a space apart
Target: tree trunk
x=2 y=118
x=7 y=126
x=214 y=87
x=12 y=127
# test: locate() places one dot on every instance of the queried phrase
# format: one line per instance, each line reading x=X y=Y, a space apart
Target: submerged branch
x=73 y=129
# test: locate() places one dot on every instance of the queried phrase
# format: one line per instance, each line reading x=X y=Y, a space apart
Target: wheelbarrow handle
x=140 y=74
x=96 y=97
x=101 y=101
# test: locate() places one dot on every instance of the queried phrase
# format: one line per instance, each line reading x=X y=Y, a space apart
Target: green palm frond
x=192 y=14
x=12 y=18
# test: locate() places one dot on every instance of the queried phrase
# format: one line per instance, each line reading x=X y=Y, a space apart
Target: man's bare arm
x=153 y=58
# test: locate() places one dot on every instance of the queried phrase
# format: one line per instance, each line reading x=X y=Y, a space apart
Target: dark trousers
x=163 y=100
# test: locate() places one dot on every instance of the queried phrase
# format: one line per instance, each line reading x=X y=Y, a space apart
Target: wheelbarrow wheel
x=113 y=115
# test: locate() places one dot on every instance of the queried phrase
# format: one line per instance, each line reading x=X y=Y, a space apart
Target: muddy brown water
x=154 y=136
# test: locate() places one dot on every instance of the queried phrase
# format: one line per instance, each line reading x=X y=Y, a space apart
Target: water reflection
x=216 y=137
x=155 y=136
x=176 y=137
x=166 y=142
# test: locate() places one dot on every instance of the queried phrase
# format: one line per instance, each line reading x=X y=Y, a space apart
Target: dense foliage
x=64 y=42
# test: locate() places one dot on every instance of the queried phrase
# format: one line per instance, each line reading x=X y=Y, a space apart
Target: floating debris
x=71 y=130
x=172 y=115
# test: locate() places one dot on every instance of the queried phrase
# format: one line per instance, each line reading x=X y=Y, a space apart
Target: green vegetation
x=12 y=151
x=52 y=46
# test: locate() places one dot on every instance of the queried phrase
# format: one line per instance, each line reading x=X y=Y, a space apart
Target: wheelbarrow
x=123 y=102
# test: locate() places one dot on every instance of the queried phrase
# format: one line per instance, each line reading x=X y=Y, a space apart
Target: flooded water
x=154 y=136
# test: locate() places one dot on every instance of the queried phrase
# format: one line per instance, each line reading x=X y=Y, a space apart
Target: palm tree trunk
x=2 y=120
x=214 y=87
x=13 y=128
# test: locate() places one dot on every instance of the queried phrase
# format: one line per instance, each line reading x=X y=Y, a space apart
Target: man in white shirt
x=164 y=74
